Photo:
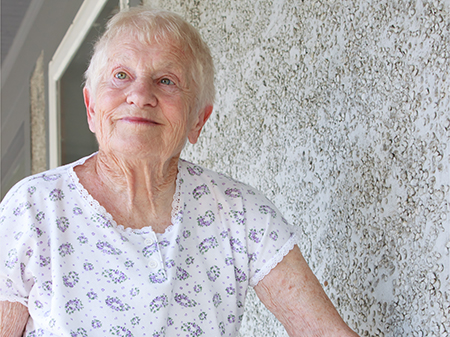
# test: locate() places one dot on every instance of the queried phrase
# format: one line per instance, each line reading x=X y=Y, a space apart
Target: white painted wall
x=339 y=112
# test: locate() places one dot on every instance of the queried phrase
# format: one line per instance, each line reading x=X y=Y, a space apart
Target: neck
x=137 y=193
x=149 y=178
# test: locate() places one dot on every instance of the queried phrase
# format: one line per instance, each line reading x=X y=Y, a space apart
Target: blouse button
x=149 y=241
x=152 y=264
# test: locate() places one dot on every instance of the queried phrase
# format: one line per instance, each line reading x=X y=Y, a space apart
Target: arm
x=294 y=295
x=13 y=318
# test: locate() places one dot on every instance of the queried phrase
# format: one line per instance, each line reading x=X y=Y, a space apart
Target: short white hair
x=148 y=25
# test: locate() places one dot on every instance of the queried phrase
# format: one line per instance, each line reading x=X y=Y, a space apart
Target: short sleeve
x=269 y=236
x=18 y=238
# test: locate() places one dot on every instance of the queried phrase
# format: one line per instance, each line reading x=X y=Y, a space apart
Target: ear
x=89 y=103
x=201 y=120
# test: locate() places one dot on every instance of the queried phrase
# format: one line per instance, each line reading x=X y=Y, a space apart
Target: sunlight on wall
x=339 y=112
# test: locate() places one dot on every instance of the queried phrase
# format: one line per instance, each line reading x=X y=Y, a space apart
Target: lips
x=139 y=120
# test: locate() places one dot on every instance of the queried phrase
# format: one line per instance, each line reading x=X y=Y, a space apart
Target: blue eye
x=121 y=75
x=166 y=81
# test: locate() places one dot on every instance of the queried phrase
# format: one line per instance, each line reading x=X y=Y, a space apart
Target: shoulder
x=196 y=175
x=31 y=185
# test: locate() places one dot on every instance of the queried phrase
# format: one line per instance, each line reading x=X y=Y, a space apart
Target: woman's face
x=144 y=105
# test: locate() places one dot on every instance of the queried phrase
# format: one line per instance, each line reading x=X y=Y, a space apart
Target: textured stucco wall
x=339 y=112
x=37 y=117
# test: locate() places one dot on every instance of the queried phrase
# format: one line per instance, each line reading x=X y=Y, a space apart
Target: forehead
x=127 y=48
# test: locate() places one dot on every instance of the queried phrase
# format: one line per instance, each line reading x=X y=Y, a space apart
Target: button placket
x=154 y=261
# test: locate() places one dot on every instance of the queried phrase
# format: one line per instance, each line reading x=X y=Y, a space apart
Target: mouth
x=139 y=121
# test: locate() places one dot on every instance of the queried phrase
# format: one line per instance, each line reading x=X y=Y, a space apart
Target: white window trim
x=86 y=16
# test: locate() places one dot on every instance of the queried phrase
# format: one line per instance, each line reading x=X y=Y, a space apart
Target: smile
x=138 y=120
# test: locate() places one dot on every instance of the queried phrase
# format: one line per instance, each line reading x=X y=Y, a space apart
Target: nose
x=142 y=94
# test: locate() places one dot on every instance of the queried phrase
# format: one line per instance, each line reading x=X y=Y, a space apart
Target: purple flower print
x=231 y=318
x=239 y=275
x=230 y=290
x=158 y=277
x=77 y=211
x=71 y=279
x=12 y=259
x=233 y=192
x=149 y=250
x=264 y=209
x=213 y=273
x=169 y=321
x=73 y=305
x=207 y=244
x=193 y=329
x=88 y=266
x=44 y=261
x=160 y=333
x=116 y=276
x=186 y=234
x=37 y=230
x=38 y=304
x=56 y=195
x=96 y=324
x=134 y=292
x=217 y=299
x=273 y=235
x=120 y=331
x=36 y=333
x=82 y=239
x=158 y=303
x=29 y=252
x=47 y=286
x=256 y=235
x=239 y=216
x=72 y=186
x=202 y=316
x=92 y=295
x=206 y=220
x=116 y=304
x=62 y=223
x=21 y=209
x=237 y=245
x=108 y=248
x=224 y=234
x=189 y=260
x=98 y=218
x=200 y=191
x=195 y=170
x=40 y=216
x=182 y=274
x=184 y=301
x=229 y=261
x=79 y=333
x=135 y=320
x=31 y=190
x=65 y=249
x=164 y=243
x=197 y=288
x=170 y=263
x=251 y=257
x=129 y=264
x=51 y=177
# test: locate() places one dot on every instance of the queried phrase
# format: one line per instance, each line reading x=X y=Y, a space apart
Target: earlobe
x=201 y=120
x=89 y=103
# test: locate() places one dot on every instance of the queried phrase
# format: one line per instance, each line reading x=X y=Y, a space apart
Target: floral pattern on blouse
x=81 y=274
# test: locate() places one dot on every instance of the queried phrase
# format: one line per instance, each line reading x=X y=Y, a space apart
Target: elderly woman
x=134 y=241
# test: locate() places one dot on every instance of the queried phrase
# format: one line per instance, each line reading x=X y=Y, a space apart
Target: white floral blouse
x=81 y=274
